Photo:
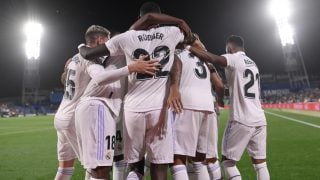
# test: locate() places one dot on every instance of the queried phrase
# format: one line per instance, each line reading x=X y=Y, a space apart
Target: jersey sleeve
x=176 y=33
x=110 y=76
x=231 y=61
x=114 y=45
x=94 y=70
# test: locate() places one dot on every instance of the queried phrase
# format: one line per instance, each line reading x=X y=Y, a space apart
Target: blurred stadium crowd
x=275 y=89
x=285 y=96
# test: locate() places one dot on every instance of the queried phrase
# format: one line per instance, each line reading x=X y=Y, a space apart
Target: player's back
x=76 y=81
x=195 y=85
x=244 y=86
x=147 y=92
x=111 y=94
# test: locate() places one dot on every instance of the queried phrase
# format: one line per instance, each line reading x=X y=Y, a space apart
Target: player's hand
x=199 y=45
x=161 y=126
x=145 y=66
x=174 y=99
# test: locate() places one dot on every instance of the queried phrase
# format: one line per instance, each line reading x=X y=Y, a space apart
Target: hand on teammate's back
x=145 y=66
x=198 y=44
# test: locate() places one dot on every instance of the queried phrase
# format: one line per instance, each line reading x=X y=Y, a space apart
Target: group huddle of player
x=150 y=96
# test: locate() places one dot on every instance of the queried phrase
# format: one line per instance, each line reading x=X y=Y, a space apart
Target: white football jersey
x=112 y=94
x=147 y=92
x=76 y=82
x=244 y=87
x=195 y=84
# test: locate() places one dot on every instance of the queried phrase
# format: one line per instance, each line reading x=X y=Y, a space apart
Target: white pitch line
x=292 y=119
x=26 y=131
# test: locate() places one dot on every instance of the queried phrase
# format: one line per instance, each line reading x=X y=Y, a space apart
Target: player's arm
x=93 y=53
x=139 y=66
x=174 y=99
x=217 y=84
x=206 y=55
x=150 y=19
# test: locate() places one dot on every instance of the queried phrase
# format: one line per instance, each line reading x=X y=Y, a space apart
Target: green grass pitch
x=28 y=148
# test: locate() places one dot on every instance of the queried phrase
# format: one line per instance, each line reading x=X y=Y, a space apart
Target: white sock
x=119 y=171
x=95 y=179
x=201 y=171
x=133 y=175
x=262 y=171
x=230 y=169
x=190 y=171
x=179 y=172
x=64 y=173
x=88 y=174
x=214 y=170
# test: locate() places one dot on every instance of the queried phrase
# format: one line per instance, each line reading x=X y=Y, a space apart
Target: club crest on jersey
x=150 y=37
x=108 y=155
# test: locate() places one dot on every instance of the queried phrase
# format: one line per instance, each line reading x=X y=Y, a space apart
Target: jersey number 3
x=253 y=78
x=158 y=52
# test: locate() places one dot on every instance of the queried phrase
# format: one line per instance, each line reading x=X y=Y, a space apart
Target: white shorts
x=149 y=132
x=67 y=145
x=193 y=131
x=213 y=137
x=238 y=137
x=95 y=128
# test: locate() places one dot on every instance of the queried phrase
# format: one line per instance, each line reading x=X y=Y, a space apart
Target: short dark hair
x=149 y=7
x=94 y=31
x=237 y=40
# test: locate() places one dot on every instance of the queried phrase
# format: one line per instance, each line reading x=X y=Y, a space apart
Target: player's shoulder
x=127 y=33
x=179 y=51
x=182 y=53
x=169 y=29
x=80 y=62
x=76 y=58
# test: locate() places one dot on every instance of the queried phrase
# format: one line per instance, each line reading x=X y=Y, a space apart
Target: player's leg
x=199 y=164
x=179 y=169
x=235 y=140
x=190 y=170
x=119 y=170
x=134 y=143
x=66 y=156
x=159 y=143
x=146 y=166
x=96 y=131
x=212 y=161
x=214 y=168
x=257 y=151
x=185 y=134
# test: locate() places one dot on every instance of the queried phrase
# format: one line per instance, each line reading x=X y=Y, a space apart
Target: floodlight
x=281 y=10
x=33 y=32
